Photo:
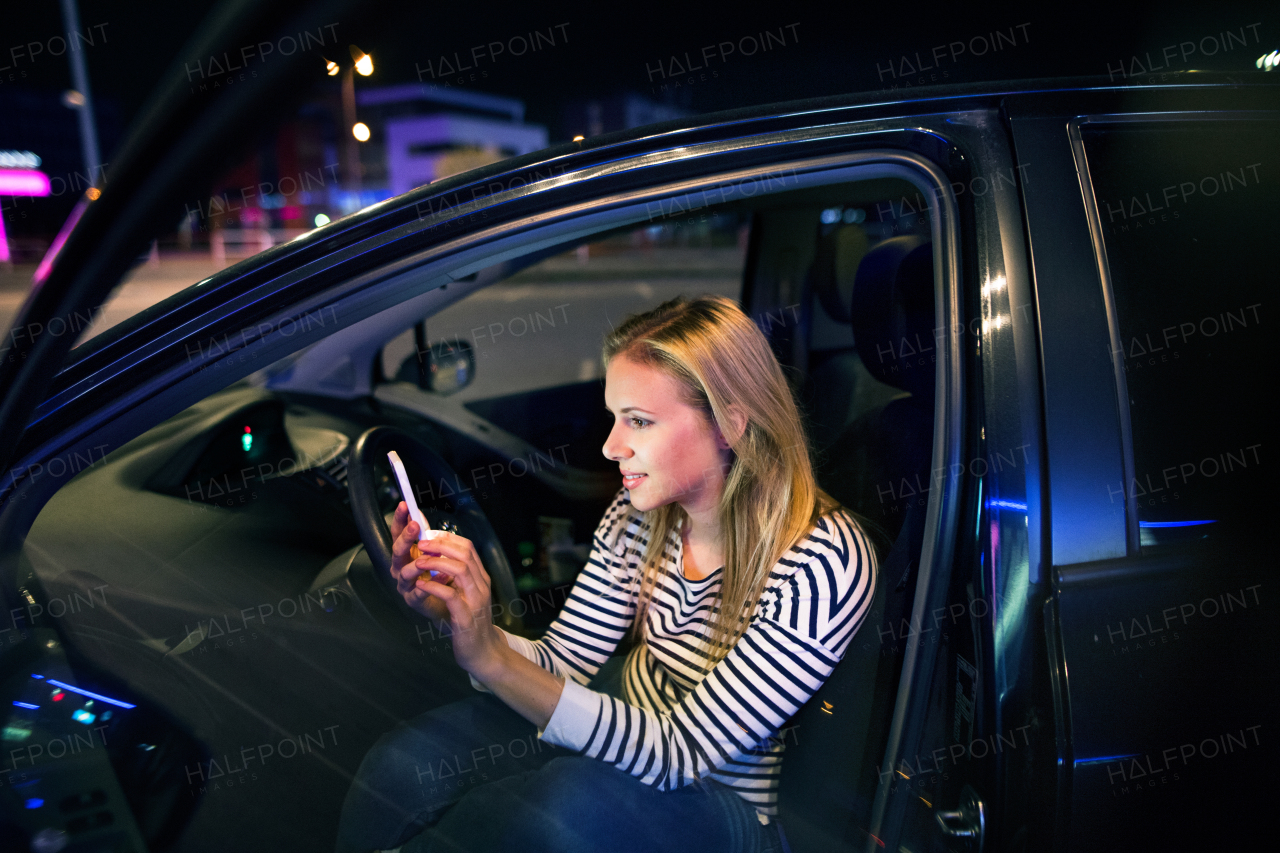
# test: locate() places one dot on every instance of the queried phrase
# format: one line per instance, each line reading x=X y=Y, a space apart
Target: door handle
x=968 y=822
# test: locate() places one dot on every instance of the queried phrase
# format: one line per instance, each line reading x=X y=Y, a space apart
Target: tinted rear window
x=1188 y=216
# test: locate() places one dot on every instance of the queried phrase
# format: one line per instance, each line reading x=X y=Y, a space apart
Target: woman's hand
x=457 y=596
x=404 y=535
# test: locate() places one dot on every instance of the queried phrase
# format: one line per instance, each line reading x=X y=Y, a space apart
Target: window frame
x=1093 y=214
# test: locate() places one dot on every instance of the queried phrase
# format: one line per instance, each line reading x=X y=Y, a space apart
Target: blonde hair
x=771 y=500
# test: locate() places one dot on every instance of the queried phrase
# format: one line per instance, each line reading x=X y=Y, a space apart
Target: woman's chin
x=643 y=500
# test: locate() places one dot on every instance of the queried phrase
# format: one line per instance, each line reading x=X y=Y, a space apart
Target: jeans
x=474 y=776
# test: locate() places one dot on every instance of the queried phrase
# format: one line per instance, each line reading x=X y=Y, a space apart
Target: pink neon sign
x=28 y=182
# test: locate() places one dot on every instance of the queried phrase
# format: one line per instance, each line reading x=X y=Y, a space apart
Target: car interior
x=227 y=570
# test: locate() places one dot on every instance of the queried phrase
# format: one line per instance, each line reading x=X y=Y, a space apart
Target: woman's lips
x=630 y=480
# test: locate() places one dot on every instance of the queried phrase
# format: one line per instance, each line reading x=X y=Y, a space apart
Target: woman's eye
x=638 y=423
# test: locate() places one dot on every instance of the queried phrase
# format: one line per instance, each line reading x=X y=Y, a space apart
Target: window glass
x=1188 y=222
x=544 y=325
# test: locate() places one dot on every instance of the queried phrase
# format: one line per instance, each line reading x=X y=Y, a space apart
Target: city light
x=360 y=131
x=25 y=182
x=363 y=61
x=331 y=67
x=321 y=219
x=19 y=160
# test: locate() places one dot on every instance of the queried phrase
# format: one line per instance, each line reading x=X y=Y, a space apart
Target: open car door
x=86 y=760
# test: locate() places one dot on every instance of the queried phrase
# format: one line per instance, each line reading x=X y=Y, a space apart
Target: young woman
x=741 y=581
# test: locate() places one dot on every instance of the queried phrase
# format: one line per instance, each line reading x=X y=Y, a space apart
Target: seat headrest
x=835 y=266
x=892 y=314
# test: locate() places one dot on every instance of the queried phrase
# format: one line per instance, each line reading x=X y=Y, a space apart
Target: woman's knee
x=570 y=786
x=398 y=763
x=572 y=803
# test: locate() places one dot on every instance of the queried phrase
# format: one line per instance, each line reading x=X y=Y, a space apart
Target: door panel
x=1168 y=647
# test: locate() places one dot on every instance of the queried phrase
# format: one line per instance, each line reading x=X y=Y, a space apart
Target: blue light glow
x=106 y=699
x=33 y=675
x=1003 y=504
x=1082 y=762
x=1175 y=523
x=27 y=705
x=34 y=803
x=83 y=716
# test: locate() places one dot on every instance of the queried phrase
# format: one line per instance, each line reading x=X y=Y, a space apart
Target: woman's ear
x=737 y=425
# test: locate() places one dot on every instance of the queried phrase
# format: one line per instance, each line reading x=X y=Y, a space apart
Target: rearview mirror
x=448 y=366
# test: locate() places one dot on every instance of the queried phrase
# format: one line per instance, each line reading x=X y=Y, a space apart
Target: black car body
x=1077 y=645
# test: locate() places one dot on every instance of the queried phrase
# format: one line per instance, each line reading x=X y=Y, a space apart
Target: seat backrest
x=878 y=465
x=830 y=766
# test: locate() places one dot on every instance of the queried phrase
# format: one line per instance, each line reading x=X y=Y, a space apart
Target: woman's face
x=667 y=450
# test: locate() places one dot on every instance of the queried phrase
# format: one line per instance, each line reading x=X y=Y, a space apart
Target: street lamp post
x=353 y=132
x=84 y=103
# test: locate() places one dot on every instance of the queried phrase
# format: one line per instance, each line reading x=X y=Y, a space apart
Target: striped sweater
x=678 y=721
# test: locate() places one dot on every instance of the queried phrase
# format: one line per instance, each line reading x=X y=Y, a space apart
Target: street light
x=361 y=63
x=364 y=62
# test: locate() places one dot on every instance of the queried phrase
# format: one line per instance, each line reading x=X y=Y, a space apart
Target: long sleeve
x=816 y=599
x=599 y=608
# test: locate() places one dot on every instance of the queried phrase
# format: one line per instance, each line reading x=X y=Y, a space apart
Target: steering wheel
x=442 y=500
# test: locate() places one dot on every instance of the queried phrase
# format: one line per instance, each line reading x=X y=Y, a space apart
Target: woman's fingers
x=458 y=575
x=464 y=616
x=409 y=573
x=462 y=550
x=401 y=546
x=455 y=601
x=458 y=579
x=459 y=583
x=398 y=520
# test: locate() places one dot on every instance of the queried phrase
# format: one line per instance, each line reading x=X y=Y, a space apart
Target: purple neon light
x=30 y=182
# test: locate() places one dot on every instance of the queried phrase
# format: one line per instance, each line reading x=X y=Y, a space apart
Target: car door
x=969 y=726
x=86 y=755
x=365 y=274
x=1148 y=222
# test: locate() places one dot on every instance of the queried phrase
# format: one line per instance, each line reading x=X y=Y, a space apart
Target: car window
x=1187 y=223
x=543 y=326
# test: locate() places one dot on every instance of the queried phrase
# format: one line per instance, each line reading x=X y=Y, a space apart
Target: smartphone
x=402 y=477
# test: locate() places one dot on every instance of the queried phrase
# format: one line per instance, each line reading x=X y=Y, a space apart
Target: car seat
x=878 y=465
x=831 y=768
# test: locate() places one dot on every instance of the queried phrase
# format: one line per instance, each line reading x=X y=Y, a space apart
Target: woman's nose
x=614 y=448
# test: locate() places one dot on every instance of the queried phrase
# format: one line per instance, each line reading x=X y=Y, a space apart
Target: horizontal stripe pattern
x=680 y=720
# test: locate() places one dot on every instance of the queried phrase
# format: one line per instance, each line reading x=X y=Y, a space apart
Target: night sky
x=605 y=47
x=596 y=50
